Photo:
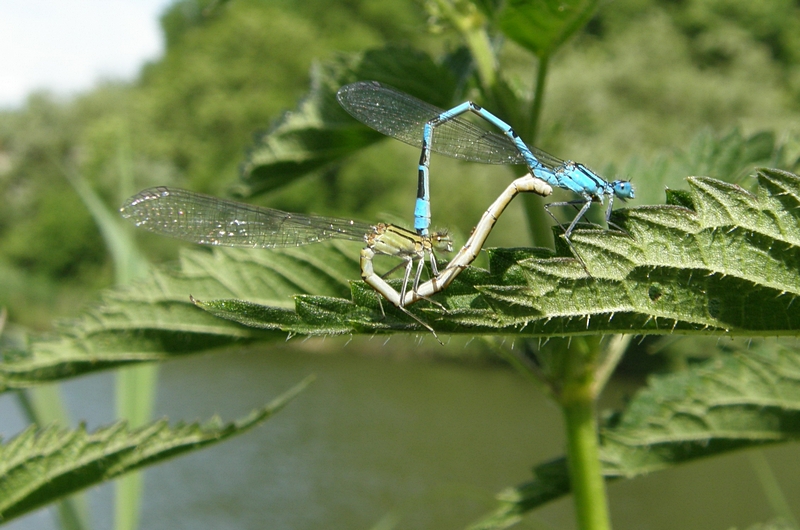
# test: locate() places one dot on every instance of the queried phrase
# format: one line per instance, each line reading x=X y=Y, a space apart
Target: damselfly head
x=623 y=189
x=441 y=241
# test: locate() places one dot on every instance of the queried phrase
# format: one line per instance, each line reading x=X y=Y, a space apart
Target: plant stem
x=465 y=17
x=538 y=100
x=577 y=397
x=538 y=220
x=585 y=473
x=478 y=43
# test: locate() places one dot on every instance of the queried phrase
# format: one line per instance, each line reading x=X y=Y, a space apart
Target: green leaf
x=731 y=265
x=155 y=319
x=319 y=132
x=731 y=156
x=41 y=466
x=746 y=398
x=542 y=26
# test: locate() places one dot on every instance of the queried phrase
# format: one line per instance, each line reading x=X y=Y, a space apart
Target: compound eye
x=623 y=189
x=441 y=241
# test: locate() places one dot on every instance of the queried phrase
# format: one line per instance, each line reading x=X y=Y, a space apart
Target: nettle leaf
x=733 y=154
x=156 y=319
x=542 y=26
x=728 y=265
x=40 y=466
x=745 y=398
x=319 y=132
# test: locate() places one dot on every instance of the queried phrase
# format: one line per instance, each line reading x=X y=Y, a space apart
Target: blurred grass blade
x=128 y=261
x=738 y=400
x=772 y=490
x=135 y=387
x=135 y=397
x=41 y=466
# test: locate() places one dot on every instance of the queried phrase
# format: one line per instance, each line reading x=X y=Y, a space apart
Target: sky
x=66 y=46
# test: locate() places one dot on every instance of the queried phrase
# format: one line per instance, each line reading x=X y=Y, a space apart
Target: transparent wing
x=403 y=117
x=208 y=220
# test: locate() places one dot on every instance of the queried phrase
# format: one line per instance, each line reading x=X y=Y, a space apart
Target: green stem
x=466 y=18
x=577 y=397
x=538 y=100
x=478 y=42
x=585 y=472
x=538 y=220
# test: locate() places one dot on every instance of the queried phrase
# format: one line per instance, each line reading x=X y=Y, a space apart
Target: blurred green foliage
x=638 y=84
x=57 y=242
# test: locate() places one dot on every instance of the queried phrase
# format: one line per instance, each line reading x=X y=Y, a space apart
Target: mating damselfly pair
x=207 y=220
x=213 y=221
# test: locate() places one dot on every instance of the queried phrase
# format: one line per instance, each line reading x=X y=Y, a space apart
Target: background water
x=380 y=438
